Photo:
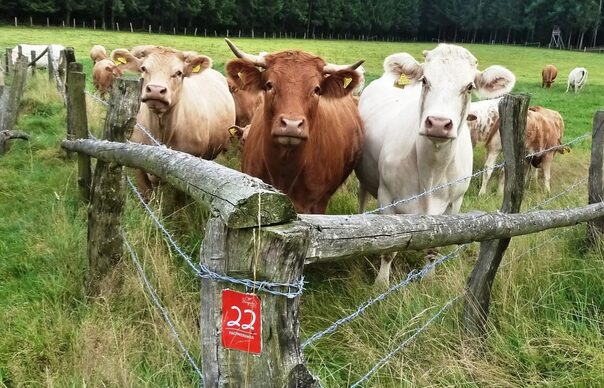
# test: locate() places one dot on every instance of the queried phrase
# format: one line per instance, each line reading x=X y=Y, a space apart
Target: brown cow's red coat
x=310 y=165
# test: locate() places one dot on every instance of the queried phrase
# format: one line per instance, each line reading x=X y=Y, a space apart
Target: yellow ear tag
x=233 y=131
x=347 y=82
x=196 y=68
x=565 y=150
x=402 y=81
x=119 y=60
x=240 y=75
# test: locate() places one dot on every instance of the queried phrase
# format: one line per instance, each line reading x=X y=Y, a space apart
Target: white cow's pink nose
x=438 y=124
x=155 y=92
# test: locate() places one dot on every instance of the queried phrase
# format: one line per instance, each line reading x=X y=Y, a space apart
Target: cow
x=103 y=73
x=544 y=130
x=417 y=135
x=246 y=102
x=186 y=105
x=26 y=50
x=548 y=75
x=98 y=53
x=306 y=135
x=483 y=121
x=576 y=79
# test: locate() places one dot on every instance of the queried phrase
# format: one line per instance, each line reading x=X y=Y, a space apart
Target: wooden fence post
x=15 y=92
x=513 y=113
x=33 y=65
x=51 y=65
x=77 y=124
x=105 y=244
x=596 y=177
x=272 y=254
x=8 y=61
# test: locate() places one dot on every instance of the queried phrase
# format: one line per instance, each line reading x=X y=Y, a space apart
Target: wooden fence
x=254 y=232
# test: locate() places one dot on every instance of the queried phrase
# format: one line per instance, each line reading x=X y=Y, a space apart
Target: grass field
x=547 y=316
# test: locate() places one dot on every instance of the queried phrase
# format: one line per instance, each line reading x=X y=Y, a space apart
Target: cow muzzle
x=156 y=97
x=290 y=132
x=438 y=129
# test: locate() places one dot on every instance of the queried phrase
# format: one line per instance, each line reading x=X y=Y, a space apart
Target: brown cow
x=246 y=102
x=306 y=136
x=548 y=75
x=103 y=74
x=97 y=53
x=544 y=131
x=186 y=104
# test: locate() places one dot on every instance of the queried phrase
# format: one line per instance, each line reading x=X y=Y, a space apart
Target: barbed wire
x=97 y=99
x=560 y=194
x=160 y=307
x=411 y=276
x=417 y=332
x=480 y=172
x=202 y=271
x=148 y=133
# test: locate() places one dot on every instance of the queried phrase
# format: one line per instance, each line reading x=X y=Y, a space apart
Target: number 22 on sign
x=241 y=321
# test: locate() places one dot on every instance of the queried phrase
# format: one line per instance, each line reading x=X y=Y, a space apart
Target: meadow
x=547 y=317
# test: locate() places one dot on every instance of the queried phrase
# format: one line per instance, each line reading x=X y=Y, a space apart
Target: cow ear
x=339 y=83
x=471 y=117
x=244 y=75
x=196 y=64
x=493 y=82
x=108 y=68
x=125 y=60
x=403 y=65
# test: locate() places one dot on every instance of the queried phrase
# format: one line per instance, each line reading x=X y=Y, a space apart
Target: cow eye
x=268 y=86
x=178 y=74
x=143 y=69
x=424 y=81
x=317 y=90
x=470 y=87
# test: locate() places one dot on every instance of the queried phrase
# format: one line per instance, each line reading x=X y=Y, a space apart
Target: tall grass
x=546 y=325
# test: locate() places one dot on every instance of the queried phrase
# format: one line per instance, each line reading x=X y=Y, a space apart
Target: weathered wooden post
x=105 y=244
x=8 y=61
x=513 y=113
x=596 y=177
x=51 y=66
x=272 y=253
x=14 y=94
x=77 y=124
x=33 y=65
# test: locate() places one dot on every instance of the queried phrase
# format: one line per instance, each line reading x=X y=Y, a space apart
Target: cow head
x=164 y=72
x=448 y=77
x=292 y=83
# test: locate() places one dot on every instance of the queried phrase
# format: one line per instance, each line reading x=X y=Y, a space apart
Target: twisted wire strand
x=293 y=289
x=160 y=307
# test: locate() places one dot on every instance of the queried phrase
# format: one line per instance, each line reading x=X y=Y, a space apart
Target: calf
x=103 y=74
x=97 y=53
x=576 y=79
x=548 y=75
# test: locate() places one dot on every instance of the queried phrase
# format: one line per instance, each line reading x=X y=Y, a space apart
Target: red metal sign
x=241 y=321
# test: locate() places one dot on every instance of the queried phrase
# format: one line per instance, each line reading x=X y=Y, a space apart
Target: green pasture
x=547 y=315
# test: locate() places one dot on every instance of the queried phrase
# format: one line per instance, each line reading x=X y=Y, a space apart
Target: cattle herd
x=305 y=124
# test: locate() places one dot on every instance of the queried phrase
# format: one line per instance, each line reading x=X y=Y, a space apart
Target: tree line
x=501 y=21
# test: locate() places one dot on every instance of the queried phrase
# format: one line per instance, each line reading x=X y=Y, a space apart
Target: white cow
x=576 y=79
x=483 y=120
x=26 y=50
x=417 y=137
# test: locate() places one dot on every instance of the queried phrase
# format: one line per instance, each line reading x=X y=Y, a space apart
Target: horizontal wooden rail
x=241 y=201
x=341 y=237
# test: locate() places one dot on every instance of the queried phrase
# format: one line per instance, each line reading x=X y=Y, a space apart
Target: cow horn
x=257 y=60
x=332 y=68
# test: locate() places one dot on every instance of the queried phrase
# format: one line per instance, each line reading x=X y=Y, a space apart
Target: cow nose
x=438 y=124
x=155 y=91
x=292 y=126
